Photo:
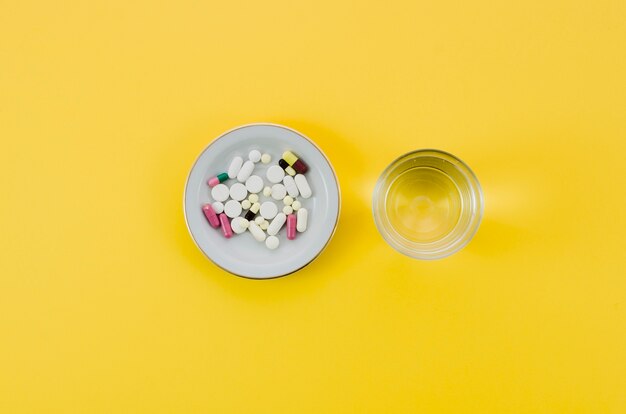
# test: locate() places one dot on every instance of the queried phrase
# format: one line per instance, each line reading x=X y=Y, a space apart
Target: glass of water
x=427 y=204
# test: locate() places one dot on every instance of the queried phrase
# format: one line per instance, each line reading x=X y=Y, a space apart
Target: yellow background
x=106 y=305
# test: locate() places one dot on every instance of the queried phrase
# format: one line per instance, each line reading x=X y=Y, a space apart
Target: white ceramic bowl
x=242 y=255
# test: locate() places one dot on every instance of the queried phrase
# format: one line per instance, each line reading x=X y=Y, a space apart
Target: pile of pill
x=262 y=207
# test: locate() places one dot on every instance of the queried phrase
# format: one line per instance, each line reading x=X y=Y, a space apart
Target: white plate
x=241 y=254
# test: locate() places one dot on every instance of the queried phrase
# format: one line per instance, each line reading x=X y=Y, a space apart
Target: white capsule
x=238 y=192
x=267 y=191
x=291 y=186
x=218 y=207
x=257 y=233
x=258 y=220
x=266 y=158
x=232 y=208
x=220 y=192
x=288 y=210
x=276 y=224
x=246 y=204
x=302 y=219
x=303 y=186
x=296 y=205
x=254 y=156
x=288 y=200
x=272 y=242
x=278 y=191
x=239 y=225
x=275 y=174
x=268 y=210
x=235 y=166
x=245 y=171
x=254 y=184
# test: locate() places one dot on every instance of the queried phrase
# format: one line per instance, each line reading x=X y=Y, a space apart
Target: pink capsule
x=210 y=215
x=219 y=178
x=226 y=229
x=291 y=226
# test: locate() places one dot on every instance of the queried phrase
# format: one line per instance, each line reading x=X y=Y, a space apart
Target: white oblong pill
x=296 y=205
x=268 y=210
x=232 y=208
x=238 y=192
x=276 y=224
x=278 y=191
x=303 y=186
x=291 y=186
x=234 y=167
x=254 y=184
x=257 y=233
x=275 y=174
x=266 y=158
x=302 y=219
x=254 y=156
x=220 y=192
x=246 y=170
x=218 y=207
x=272 y=242
x=239 y=225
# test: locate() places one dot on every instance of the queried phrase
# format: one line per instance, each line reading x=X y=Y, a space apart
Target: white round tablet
x=220 y=192
x=239 y=225
x=272 y=242
x=238 y=192
x=275 y=174
x=218 y=207
x=268 y=210
x=232 y=208
x=255 y=156
x=278 y=191
x=254 y=184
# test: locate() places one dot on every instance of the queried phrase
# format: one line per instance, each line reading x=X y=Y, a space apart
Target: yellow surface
x=106 y=305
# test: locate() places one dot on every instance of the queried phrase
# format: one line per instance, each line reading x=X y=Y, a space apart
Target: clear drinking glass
x=427 y=204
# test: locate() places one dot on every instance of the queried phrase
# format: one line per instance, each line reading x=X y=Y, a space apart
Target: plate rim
x=253 y=124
